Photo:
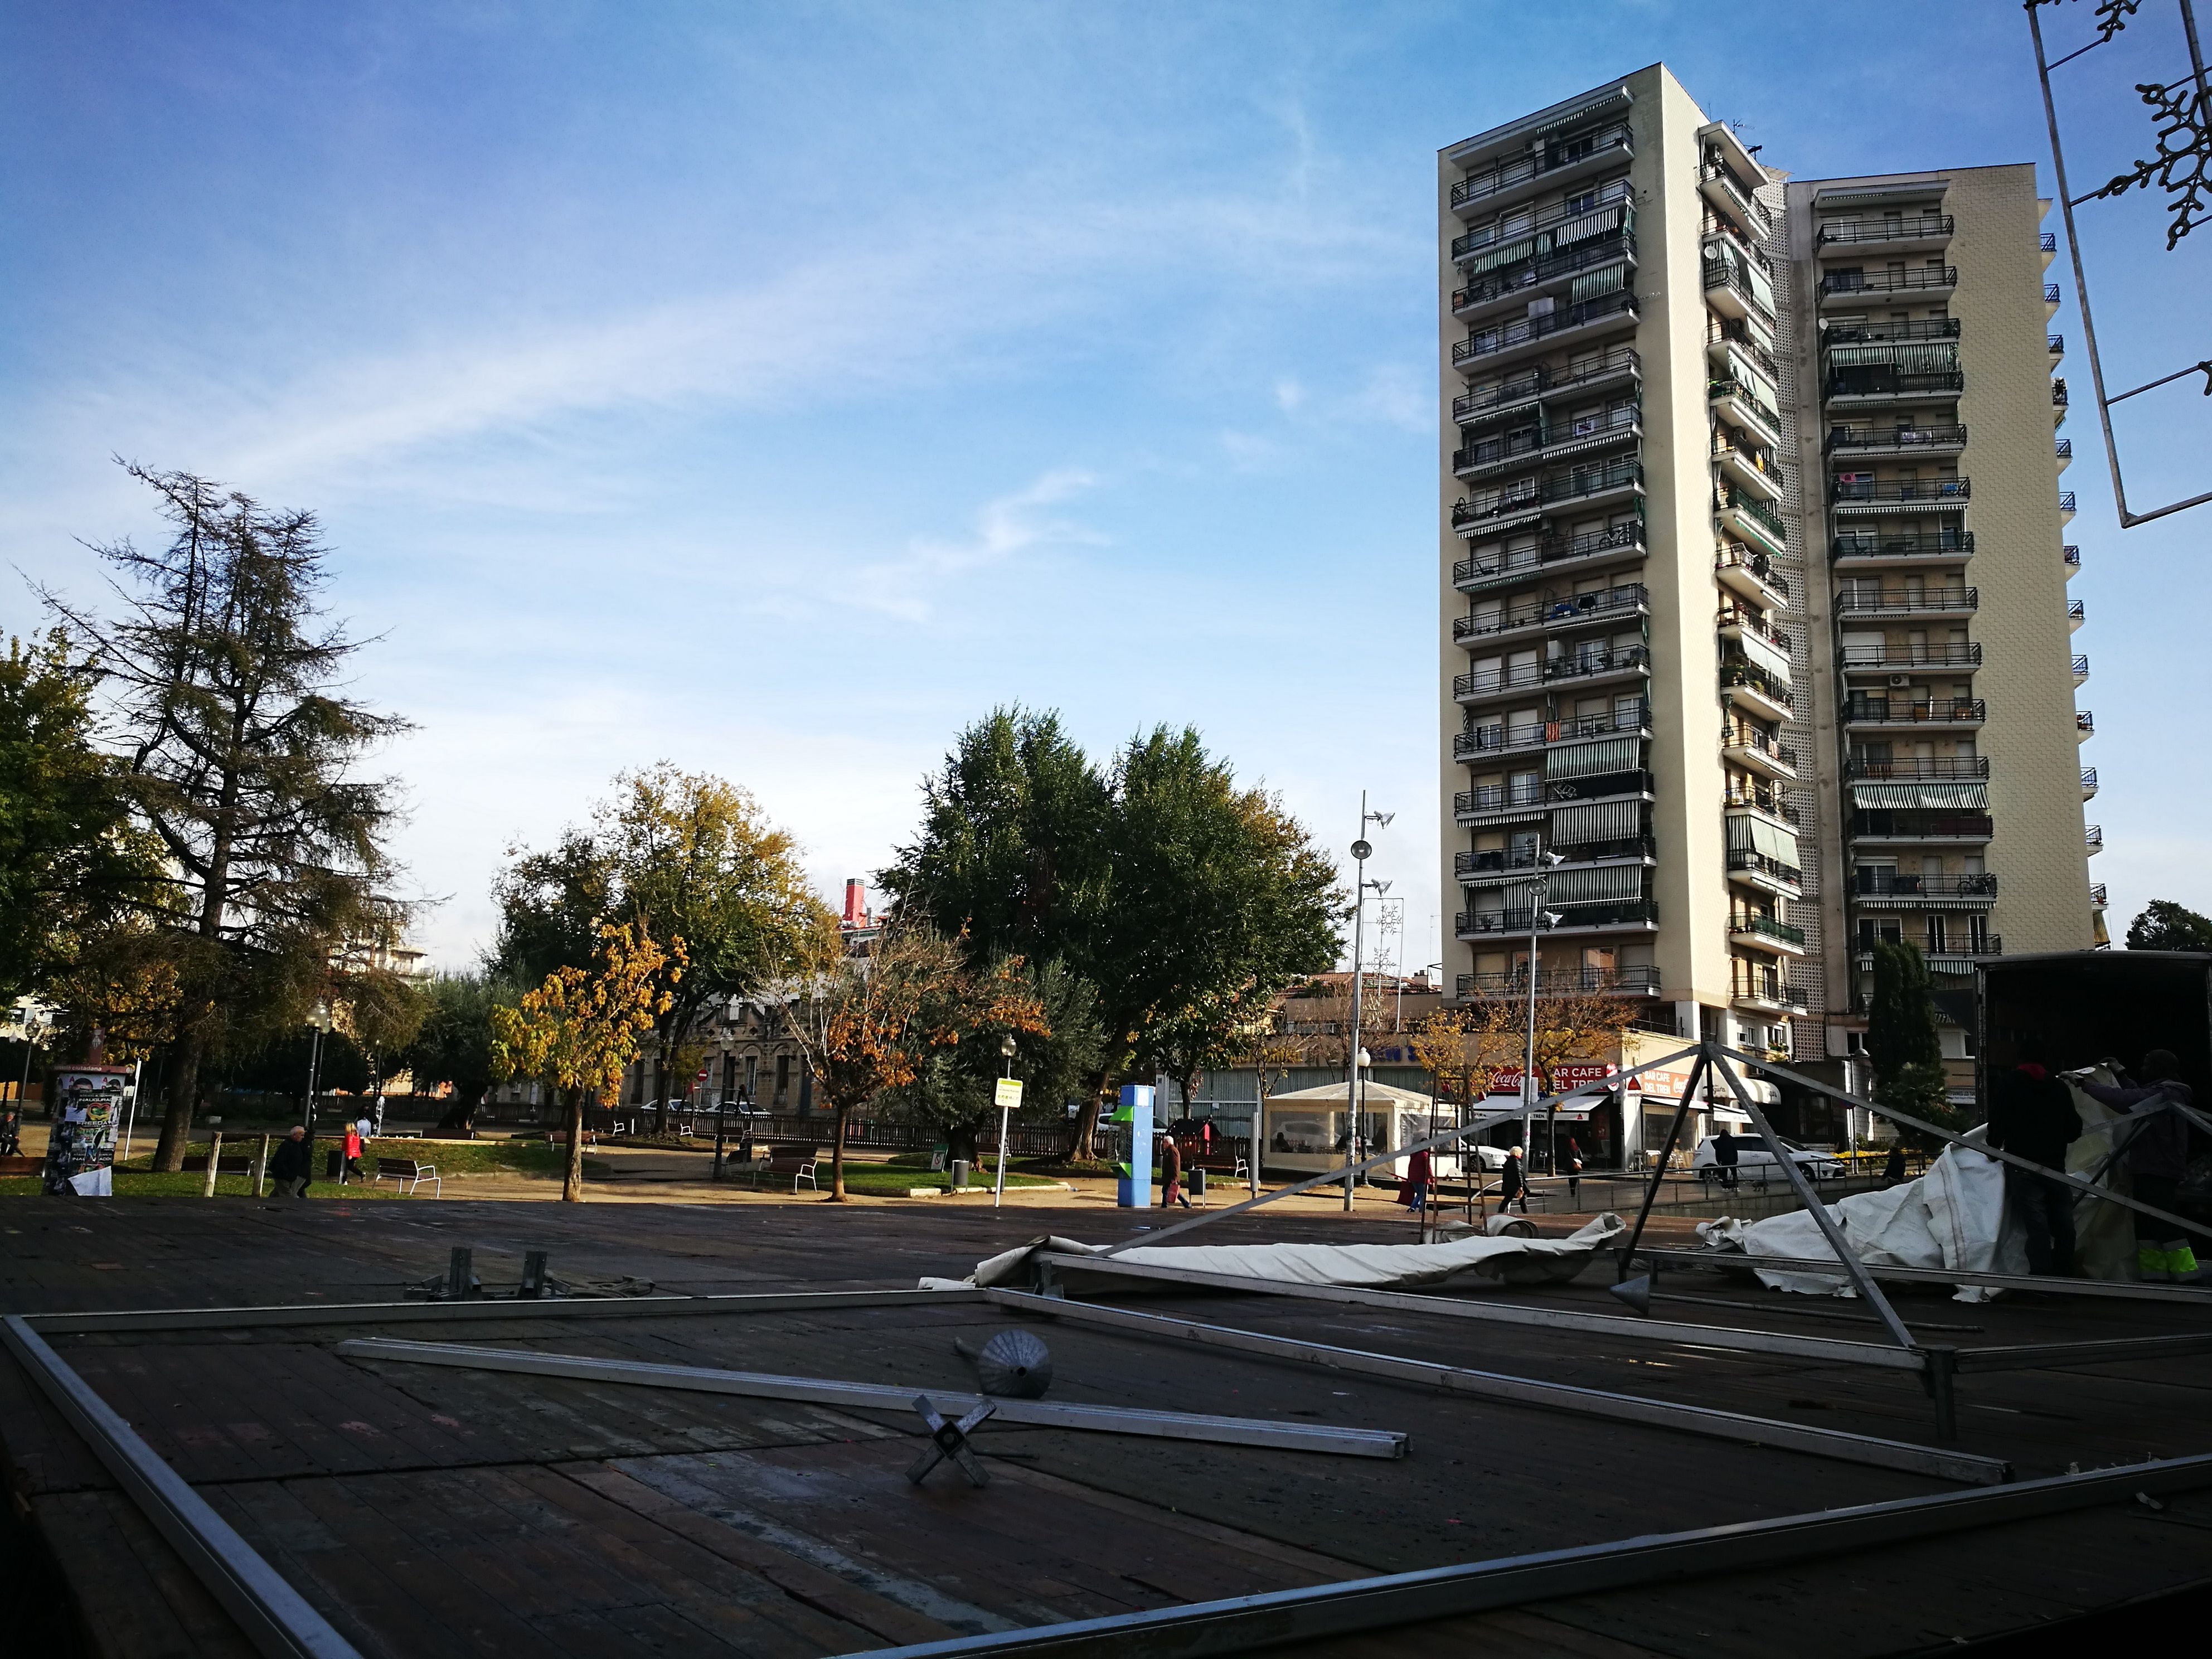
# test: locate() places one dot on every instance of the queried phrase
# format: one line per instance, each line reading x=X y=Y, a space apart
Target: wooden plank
x=135 y=1596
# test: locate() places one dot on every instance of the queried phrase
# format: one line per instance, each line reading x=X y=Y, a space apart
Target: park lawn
x=456 y=1157
x=880 y=1180
x=143 y=1183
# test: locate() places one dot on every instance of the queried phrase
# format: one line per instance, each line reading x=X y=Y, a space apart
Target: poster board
x=81 y=1150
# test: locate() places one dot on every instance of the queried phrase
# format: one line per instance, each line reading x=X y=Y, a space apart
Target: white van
x=1754 y=1164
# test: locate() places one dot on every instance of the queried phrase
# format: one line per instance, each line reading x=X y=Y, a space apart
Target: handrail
x=1966 y=654
x=1888 y=333
x=1554 y=548
x=1905 y=282
x=1734 y=555
x=1626 y=417
x=1628 y=596
x=1607 y=248
x=1563 y=487
x=1728 y=386
x=1915 y=768
x=1862 y=708
x=1901 y=386
x=1539 y=381
x=1868 y=543
x=1884 y=882
x=1489 y=343
x=1742 y=857
x=1855 y=230
x=1758 y=511
x=1506 y=175
x=1948 y=599
x=1901 y=437
x=1723 y=273
x=1610 y=194
x=1942 y=491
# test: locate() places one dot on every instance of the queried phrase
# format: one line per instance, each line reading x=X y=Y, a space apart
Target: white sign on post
x=1006 y=1098
x=1009 y=1096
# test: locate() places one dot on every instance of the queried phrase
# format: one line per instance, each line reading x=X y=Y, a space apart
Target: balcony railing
x=2076 y=612
x=1539 y=381
x=1734 y=616
x=2055 y=344
x=1862 y=710
x=1899 y=883
x=1726 y=273
x=1901 y=437
x=2050 y=294
x=2072 y=555
x=1629 y=596
x=2066 y=500
x=1737 y=333
x=1550 y=549
x=1931 y=492
x=1919 y=823
x=1525 y=496
x=1750 y=678
x=2089 y=782
x=1754 y=210
x=2092 y=837
x=1908 y=281
x=2048 y=241
x=1849 y=232
x=1524 y=169
x=1485 y=236
x=1488 y=342
x=1872 y=333
x=1964 y=654
x=1562 y=981
x=1910 y=543
x=2058 y=391
x=2083 y=719
x=1946 y=598
x=1499 y=797
x=2097 y=894
x=1533 y=272
x=1742 y=857
x=1767 y=927
x=1735 y=557
x=1755 y=509
x=1773 y=989
x=1508 y=860
x=1758 y=742
x=2064 y=447
x=1496 y=737
x=1625 y=912
x=1581 y=666
x=1859 y=384
x=2081 y=669
x=1487 y=450
x=1916 y=769
x=1771 y=802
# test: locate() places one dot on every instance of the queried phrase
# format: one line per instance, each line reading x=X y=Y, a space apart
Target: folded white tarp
x=1951 y=1217
x=1370 y=1266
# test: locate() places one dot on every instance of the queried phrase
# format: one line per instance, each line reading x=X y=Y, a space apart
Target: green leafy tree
x=73 y=863
x=1901 y=1038
x=2166 y=926
x=243 y=759
x=457 y=1040
x=552 y=907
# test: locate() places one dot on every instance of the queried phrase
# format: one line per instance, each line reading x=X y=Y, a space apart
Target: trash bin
x=333 y=1162
x=1198 y=1182
x=959 y=1182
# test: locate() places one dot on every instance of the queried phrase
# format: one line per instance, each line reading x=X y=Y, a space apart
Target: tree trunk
x=837 y=1157
x=1083 y=1139
x=460 y=1117
x=960 y=1142
x=572 y=1177
x=660 y=1091
x=177 y=1117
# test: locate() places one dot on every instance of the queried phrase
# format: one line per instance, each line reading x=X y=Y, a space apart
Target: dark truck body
x=2078 y=1007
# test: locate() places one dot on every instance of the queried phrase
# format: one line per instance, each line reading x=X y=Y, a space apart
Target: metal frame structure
x=2179 y=1295
x=2115 y=22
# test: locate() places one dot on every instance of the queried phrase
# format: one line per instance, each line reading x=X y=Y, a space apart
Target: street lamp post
x=1006 y=1049
x=319 y=1021
x=1355 y=1093
x=1539 y=919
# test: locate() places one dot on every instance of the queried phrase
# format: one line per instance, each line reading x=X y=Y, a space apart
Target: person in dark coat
x=289 y=1169
x=2032 y=1114
x=2156 y=1147
x=1512 y=1183
x=1724 y=1155
x=1574 y=1172
x=1892 y=1167
x=1171 y=1192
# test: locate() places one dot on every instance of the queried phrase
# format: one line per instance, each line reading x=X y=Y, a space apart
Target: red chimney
x=856 y=903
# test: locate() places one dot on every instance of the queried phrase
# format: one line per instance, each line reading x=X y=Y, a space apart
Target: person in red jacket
x=352 y=1164
x=1417 y=1183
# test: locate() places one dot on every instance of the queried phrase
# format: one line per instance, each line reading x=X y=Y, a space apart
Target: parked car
x=1754 y=1163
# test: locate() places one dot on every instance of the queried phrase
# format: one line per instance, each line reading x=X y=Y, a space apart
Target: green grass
x=141 y=1184
x=883 y=1181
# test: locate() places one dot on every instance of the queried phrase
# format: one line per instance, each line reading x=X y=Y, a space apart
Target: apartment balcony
x=1478 y=243
x=1870 y=443
x=1729 y=293
x=1628 y=601
x=1747 y=688
x=1749 y=573
x=1756 y=752
x=1733 y=348
x=1743 y=516
x=1917 y=769
x=1488 y=865
x=2050 y=298
x=1944 y=961
x=2076 y=614
x=1554 y=554
x=2055 y=345
x=1900 y=495
x=1734 y=623
x=1490 y=349
x=1560 y=982
x=1893 y=713
x=1527 y=499
x=2080 y=667
x=1487 y=456
x=1738 y=403
x=1885 y=889
x=1581 y=669
x=1625 y=916
x=1911 y=603
x=2085 y=723
x=1511 y=287
x=2070 y=556
x=1754 y=471
x=2093 y=839
x=1618 y=366
x=1496 y=737
x=1763 y=874
x=1925 y=287
x=1899 y=331
x=1488 y=806
x=1768 y=993
x=1842 y=393
x=1904 y=826
x=1503 y=183
x=1729 y=194
x=2066 y=507
x=1875 y=550
x=2097 y=896
x=1752 y=796
x=1927 y=232
x=1961 y=657
x=2064 y=449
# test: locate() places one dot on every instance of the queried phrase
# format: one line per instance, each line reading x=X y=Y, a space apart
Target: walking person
x=1512 y=1183
x=351 y=1164
x=1171 y=1192
x=2032 y=1114
x=289 y=1170
x=1892 y=1167
x=2156 y=1147
x=1419 y=1181
x=1724 y=1155
x=1574 y=1169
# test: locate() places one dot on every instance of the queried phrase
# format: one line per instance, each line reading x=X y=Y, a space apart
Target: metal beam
x=1458 y=1132
x=1698 y=1070
x=1826 y=1350
x=272 y=1615
x=1240 y=1624
x=1530 y=1391
x=873 y=1396
x=2122 y=1289
x=2111 y=1351
x=401 y=1313
x=1997 y=1152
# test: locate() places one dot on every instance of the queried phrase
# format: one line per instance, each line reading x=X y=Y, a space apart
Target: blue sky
x=774 y=389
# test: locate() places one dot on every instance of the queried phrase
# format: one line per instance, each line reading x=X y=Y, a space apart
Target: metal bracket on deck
x=949 y=1441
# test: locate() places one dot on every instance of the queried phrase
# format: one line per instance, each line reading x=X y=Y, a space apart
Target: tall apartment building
x=1750 y=657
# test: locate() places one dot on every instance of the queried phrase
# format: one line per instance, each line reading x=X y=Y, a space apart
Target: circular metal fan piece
x=1016 y=1365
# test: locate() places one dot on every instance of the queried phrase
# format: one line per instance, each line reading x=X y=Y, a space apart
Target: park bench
x=21 y=1166
x=795 y=1159
x=197 y=1164
x=410 y=1174
x=560 y=1138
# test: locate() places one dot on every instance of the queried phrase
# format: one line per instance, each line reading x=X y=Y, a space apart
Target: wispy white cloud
x=908 y=587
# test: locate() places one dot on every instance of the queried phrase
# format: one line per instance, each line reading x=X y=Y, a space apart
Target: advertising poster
x=88 y=1109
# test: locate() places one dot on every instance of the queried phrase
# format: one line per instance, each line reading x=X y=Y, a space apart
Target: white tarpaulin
x=1951 y=1217
x=1369 y=1267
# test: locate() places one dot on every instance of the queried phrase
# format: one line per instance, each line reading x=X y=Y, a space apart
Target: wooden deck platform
x=430 y=1512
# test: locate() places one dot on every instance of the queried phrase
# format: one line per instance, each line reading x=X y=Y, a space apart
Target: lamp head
x=1006 y=1045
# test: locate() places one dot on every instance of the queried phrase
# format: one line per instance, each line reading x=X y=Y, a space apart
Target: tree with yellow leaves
x=581 y=1029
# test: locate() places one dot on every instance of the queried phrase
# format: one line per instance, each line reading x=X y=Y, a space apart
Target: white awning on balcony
x=1747 y=834
x=1762 y=651
x=1590 y=760
x=1596 y=284
x=1926 y=358
x=1612 y=820
x=1608 y=884
x=1927 y=797
x=1519 y=249
x=1589 y=225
